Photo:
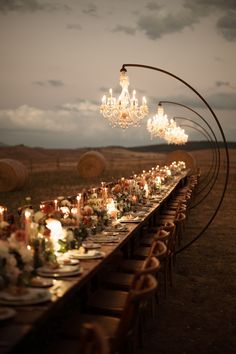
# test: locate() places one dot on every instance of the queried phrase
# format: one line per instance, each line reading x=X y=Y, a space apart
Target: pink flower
x=87 y=210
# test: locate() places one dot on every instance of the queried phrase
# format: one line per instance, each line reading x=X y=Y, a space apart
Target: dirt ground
x=199 y=313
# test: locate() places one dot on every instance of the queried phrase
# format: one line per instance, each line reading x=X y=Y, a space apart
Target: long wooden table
x=30 y=320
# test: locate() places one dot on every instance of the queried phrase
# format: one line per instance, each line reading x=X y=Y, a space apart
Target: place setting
x=131 y=218
x=60 y=271
x=21 y=296
x=86 y=253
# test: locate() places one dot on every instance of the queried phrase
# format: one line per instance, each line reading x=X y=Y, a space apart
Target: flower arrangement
x=16 y=260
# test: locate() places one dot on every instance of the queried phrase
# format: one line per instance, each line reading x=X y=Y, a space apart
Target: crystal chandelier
x=125 y=111
x=158 y=124
x=175 y=134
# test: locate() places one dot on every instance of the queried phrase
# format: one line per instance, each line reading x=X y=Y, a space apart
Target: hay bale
x=13 y=175
x=181 y=155
x=91 y=164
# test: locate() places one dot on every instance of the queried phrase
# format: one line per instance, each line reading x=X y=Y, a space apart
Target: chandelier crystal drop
x=124 y=111
x=158 y=124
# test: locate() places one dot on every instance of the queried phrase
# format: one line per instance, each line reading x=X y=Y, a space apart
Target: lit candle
x=27 y=225
x=146 y=190
x=55 y=204
x=1 y=213
x=111 y=209
x=56 y=232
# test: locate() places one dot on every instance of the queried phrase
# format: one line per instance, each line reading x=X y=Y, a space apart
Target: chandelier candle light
x=125 y=111
x=175 y=134
x=160 y=126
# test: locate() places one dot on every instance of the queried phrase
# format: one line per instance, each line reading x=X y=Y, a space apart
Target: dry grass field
x=199 y=313
x=54 y=173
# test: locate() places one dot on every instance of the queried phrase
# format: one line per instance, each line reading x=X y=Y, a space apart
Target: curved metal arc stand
x=213 y=165
x=222 y=135
x=214 y=176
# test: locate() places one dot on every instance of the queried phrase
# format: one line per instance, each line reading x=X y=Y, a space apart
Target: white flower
x=66 y=202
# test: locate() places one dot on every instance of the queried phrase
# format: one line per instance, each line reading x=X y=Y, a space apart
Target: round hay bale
x=91 y=164
x=181 y=155
x=13 y=175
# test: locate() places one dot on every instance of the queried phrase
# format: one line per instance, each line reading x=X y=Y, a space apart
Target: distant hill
x=23 y=152
x=189 y=146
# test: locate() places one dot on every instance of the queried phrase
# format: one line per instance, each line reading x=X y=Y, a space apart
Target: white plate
x=91 y=245
x=6 y=313
x=131 y=220
x=56 y=274
x=67 y=261
x=118 y=228
x=40 y=282
x=31 y=297
x=91 y=254
x=62 y=269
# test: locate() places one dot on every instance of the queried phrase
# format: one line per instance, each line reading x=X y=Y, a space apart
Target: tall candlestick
x=105 y=195
x=78 y=198
x=27 y=225
x=55 y=204
x=1 y=213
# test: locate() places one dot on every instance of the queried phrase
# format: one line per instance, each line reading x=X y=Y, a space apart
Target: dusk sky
x=59 y=57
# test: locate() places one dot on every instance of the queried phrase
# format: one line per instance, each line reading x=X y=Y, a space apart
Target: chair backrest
x=158 y=248
x=171 y=240
x=92 y=339
x=162 y=234
x=144 y=287
x=150 y=266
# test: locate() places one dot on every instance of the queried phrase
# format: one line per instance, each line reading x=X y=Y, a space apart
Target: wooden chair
x=92 y=339
x=120 y=332
x=157 y=249
x=123 y=280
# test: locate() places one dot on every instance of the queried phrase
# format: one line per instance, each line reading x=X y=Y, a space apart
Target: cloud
x=29 y=6
x=203 y=7
x=226 y=26
x=32 y=118
x=222 y=83
x=49 y=83
x=163 y=21
x=90 y=10
x=76 y=124
x=156 y=26
x=225 y=9
x=125 y=29
x=153 y=6
x=74 y=26
x=221 y=100
x=85 y=107
x=63 y=118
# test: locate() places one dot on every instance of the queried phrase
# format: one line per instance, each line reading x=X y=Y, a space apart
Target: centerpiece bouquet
x=16 y=260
